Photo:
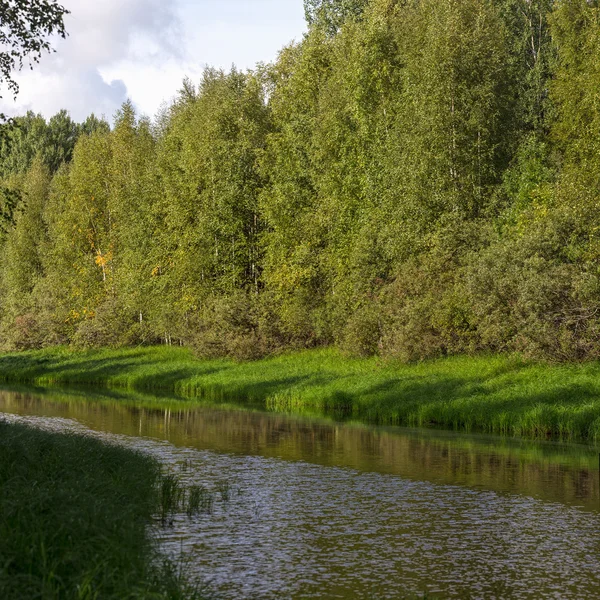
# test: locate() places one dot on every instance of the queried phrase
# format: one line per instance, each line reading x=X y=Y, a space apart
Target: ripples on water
x=300 y=530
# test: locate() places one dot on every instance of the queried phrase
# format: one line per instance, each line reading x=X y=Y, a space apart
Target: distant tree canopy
x=412 y=179
x=54 y=141
x=31 y=138
x=25 y=26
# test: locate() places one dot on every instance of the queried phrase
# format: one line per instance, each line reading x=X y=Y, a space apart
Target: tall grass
x=74 y=520
x=171 y=495
x=199 y=500
x=496 y=393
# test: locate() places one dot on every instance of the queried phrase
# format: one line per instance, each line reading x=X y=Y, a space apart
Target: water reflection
x=548 y=471
x=297 y=529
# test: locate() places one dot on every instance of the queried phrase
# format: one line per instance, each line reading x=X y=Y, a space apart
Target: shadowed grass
x=496 y=393
x=74 y=520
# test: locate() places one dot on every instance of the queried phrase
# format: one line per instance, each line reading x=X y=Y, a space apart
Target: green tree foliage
x=20 y=142
x=83 y=224
x=332 y=14
x=134 y=191
x=531 y=54
x=289 y=203
x=455 y=101
x=62 y=134
x=22 y=261
x=26 y=137
x=207 y=159
x=411 y=179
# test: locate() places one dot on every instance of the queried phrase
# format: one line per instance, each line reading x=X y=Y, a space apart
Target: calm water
x=323 y=510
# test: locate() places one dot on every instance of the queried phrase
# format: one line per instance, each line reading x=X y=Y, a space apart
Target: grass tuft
x=200 y=500
x=224 y=489
x=171 y=495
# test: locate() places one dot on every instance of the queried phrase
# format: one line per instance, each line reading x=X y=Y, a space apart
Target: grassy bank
x=499 y=394
x=74 y=516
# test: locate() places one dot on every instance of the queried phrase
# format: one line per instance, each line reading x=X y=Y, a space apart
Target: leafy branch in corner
x=25 y=28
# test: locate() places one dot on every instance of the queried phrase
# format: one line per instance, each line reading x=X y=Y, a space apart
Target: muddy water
x=316 y=509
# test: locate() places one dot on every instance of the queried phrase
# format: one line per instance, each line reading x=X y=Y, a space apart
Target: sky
x=143 y=49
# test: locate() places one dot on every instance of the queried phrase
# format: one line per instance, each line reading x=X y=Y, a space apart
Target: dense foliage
x=414 y=178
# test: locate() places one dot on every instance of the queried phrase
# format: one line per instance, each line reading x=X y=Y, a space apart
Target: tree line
x=414 y=178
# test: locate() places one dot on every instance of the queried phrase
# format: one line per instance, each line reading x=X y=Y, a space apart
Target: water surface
x=329 y=510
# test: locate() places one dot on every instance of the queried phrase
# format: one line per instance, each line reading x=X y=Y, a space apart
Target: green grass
x=497 y=393
x=74 y=520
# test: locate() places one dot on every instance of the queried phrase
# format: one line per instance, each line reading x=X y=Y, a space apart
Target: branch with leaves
x=25 y=29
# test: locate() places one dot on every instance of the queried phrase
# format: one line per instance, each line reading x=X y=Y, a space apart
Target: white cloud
x=104 y=31
x=143 y=49
x=101 y=33
x=83 y=91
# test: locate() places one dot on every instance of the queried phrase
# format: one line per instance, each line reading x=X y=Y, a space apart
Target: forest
x=412 y=179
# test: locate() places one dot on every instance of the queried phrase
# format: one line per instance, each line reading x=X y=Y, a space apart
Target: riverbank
x=497 y=394
x=74 y=520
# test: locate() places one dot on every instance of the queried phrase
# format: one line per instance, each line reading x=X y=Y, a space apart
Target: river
x=312 y=508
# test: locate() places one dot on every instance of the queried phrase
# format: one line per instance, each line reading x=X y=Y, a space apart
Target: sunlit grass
x=495 y=393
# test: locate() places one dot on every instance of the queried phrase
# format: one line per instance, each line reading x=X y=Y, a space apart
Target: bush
x=424 y=310
x=112 y=325
x=525 y=296
x=362 y=334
